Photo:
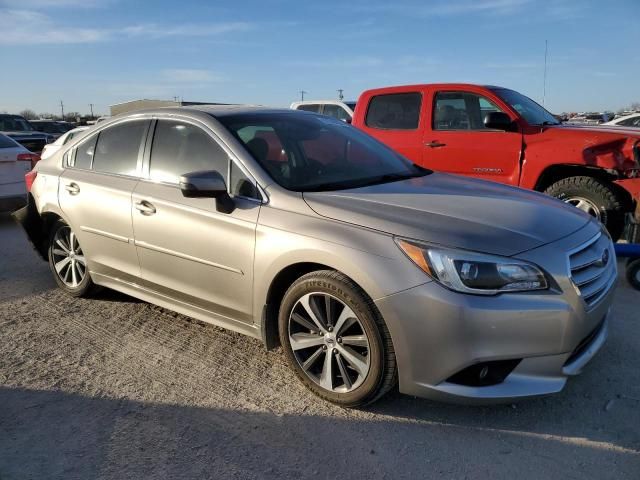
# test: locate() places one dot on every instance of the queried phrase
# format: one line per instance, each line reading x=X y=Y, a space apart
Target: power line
x=302 y=92
x=62 y=109
x=91 y=107
x=340 y=95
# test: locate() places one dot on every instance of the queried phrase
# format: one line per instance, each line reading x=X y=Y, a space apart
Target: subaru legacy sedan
x=297 y=229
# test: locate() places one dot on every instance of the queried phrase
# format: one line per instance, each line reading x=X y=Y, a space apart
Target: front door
x=189 y=250
x=458 y=142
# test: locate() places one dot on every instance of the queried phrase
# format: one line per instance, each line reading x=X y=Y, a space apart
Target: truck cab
x=500 y=135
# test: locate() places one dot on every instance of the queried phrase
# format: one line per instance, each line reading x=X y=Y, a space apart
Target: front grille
x=593 y=268
x=35 y=145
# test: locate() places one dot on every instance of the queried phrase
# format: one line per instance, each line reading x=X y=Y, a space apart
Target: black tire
x=84 y=287
x=382 y=373
x=633 y=273
x=602 y=195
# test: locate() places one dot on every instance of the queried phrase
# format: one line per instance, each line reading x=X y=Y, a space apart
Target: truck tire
x=595 y=197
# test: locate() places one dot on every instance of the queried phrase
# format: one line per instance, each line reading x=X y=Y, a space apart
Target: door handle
x=435 y=144
x=72 y=188
x=145 y=208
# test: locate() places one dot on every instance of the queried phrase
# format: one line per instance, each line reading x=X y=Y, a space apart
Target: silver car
x=300 y=230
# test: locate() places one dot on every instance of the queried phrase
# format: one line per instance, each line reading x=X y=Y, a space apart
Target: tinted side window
x=118 y=147
x=309 y=108
x=336 y=111
x=461 y=111
x=180 y=148
x=397 y=111
x=84 y=153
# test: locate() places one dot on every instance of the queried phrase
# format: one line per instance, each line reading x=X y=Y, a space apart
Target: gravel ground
x=112 y=388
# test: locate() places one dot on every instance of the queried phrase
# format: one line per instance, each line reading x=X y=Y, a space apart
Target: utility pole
x=340 y=95
x=544 y=82
x=91 y=107
x=302 y=92
x=62 y=109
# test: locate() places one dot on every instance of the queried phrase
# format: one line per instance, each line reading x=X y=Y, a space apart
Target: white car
x=52 y=148
x=333 y=108
x=15 y=162
x=632 y=120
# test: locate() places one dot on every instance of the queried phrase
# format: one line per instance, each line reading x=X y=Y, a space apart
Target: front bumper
x=438 y=333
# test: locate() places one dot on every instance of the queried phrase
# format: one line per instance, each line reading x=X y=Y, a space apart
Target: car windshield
x=6 y=142
x=14 y=124
x=306 y=152
x=533 y=113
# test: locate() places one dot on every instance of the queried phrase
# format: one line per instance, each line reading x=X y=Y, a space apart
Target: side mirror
x=498 y=121
x=207 y=184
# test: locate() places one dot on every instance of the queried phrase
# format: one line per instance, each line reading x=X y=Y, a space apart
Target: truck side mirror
x=498 y=121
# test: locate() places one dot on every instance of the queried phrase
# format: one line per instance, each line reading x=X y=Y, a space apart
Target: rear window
x=118 y=147
x=396 y=111
x=6 y=142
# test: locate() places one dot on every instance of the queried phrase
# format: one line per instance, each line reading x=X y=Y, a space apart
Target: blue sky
x=108 y=51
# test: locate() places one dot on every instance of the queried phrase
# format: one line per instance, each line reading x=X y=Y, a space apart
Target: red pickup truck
x=499 y=134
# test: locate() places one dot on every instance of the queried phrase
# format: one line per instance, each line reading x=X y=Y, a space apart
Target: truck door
x=457 y=141
x=396 y=120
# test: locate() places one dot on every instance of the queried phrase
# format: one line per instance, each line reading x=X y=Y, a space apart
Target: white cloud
x=27 y=27
x=27 y=4
x=444 y=7
x=355 y=62
x=189 y=75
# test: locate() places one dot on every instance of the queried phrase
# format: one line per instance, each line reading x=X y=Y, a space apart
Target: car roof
x=218 y=111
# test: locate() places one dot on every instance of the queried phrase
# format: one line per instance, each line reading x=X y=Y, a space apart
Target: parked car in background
x=499 y=134
x=589 y=119
x=15 y=162
x=632 y=120
x=333 y=108
x=65 y=138
x=22 y=131
x=51 y=126
x=368 y=269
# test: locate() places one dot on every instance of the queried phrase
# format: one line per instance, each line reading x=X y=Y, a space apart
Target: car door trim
x=102 y=233
x=156 y=248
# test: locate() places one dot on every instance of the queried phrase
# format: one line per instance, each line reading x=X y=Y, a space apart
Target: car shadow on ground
x=53 y=434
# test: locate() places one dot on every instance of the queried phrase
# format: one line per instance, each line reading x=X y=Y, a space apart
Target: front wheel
x=595 y=197
x=335 y=339
x=67 y=261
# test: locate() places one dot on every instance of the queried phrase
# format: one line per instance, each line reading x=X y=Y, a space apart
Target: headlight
x=470 y=272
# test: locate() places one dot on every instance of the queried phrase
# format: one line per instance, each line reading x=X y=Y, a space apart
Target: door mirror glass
x=497 y=121
x=204 y=184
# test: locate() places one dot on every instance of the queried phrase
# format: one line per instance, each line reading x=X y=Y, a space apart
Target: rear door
x=397 y=120
x=95 y=195
x=457 y=141
x=188 y=249
x=12 y=170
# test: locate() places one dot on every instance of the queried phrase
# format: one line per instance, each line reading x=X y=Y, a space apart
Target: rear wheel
x=595 y=197
x=335 y=339
x=67 y=261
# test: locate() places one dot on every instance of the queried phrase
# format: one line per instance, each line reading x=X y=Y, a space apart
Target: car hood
x=455 y=212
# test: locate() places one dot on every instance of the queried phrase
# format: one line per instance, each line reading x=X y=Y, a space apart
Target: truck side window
x=336 y=111
x=396 y=111
x=309 y=107
x=461 y=111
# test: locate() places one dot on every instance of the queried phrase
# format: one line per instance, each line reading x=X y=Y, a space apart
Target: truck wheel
x=595 y=197
x=633 y=273
x=335 y=339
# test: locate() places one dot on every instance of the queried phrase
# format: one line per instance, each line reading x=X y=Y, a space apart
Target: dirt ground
x=114 y=388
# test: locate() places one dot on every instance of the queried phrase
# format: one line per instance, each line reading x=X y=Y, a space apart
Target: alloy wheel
x=68 y=259
x=585 y=205
x=329 y=342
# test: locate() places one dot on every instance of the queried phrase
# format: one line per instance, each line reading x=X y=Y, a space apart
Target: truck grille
x=593 y=268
